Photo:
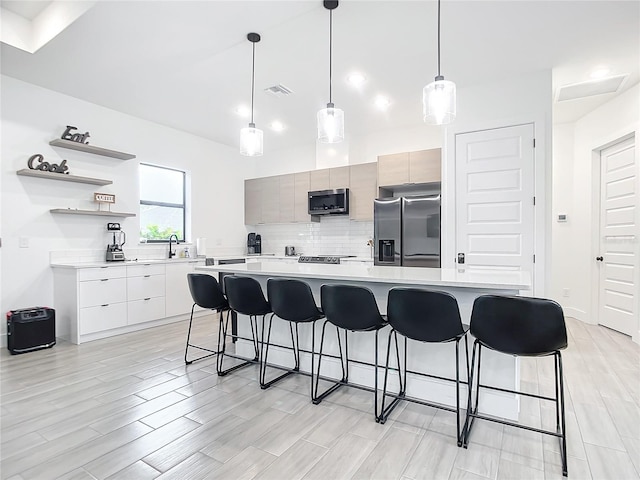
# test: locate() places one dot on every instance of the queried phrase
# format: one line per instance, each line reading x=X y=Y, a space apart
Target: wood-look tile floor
x=128 y=408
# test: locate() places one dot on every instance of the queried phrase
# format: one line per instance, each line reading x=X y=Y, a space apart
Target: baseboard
x=576 y=313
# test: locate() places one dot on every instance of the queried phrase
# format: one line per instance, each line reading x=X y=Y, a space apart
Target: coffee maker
x=118 y=239
x=254 y=244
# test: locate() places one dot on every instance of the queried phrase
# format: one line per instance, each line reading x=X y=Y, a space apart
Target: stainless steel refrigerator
x=407 y=231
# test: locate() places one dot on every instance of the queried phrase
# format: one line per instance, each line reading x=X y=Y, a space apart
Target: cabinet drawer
x=145 y=310
x=145 y=286
x=101 y=292
x=145 y=269
x=99 y=273
x=97 y=319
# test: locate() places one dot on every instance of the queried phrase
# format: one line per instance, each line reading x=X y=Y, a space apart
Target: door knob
x=599 y=259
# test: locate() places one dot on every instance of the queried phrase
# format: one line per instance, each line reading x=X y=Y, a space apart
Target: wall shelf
x=83 y=147
x=27 y=172
x=98 y=213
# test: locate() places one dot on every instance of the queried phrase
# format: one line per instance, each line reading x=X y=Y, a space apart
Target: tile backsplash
x=330 y=236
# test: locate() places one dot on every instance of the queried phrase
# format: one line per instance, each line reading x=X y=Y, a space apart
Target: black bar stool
x=519 y=326
x=349 y=308
x=292 y=301
x=430 y=317
x=245 y=296
x=206 y=293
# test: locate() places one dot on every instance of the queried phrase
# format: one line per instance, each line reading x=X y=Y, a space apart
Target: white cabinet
x=177 y=294
x=98 y=302
x=145 y=292
x=102 y=299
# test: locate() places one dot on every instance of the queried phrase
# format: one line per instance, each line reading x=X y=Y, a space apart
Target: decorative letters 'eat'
x=75 y=137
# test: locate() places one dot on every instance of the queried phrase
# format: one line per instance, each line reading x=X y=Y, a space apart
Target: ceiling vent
x=278 y=90
x=590 y=88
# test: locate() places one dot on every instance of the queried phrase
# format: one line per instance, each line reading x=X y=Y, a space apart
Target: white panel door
x=495 y=198
x=619 y=231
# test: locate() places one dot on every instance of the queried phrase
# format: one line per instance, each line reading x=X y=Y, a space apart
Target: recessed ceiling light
x=277 y=126
x=382 y=102
x=356 y=79
x=243 y=111
x=600 y=72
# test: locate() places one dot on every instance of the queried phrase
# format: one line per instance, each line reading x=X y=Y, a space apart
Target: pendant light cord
x=330 y=52
x=438 y=37
x=253 y=76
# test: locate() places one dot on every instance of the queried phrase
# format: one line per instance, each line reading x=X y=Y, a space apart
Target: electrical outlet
x=565 y=292
x=23 y=242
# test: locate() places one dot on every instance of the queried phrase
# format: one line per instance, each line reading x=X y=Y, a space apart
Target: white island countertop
x=457 y=278
x=98 y=264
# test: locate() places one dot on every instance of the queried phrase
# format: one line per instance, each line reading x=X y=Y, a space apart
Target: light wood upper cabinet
x=319 y=180
x=425 y=166
x=362 y=191
x=287 y=198
x=252 y=208
x=339 y=177
x=301 y=197
x=270 y=200
x=393 y=169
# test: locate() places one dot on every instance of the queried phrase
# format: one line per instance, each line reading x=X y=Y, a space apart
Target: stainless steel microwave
x=329 y=202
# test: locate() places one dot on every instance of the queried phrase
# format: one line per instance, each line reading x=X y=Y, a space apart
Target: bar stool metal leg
x=315 y=398
x=295 y=341
x=402 y=378
x=186 y=349
x=222 y=346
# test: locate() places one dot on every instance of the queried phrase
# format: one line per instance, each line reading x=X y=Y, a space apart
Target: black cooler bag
x=31 y=329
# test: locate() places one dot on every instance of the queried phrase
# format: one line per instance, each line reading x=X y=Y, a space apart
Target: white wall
x=562 y=257
x=513 y=101
x=578 y=270
x=31 y=117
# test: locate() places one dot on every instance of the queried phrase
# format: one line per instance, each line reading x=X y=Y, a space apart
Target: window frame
x=167 y=204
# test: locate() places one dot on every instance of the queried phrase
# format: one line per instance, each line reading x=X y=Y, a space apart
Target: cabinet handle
x=147 y=264
x=105 y=305
x=104 y=279
x=104 y=267
x=147 y=276
x=148 y=298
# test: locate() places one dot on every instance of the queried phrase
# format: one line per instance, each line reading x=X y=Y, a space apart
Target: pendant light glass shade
x=251 y=141
x=330 y=119
x=439 y=97
x=439 y=102
x=330 y=124
x=251 y=137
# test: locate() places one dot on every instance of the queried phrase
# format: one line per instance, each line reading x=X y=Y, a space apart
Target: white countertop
x=126 y=262
x=485 y=279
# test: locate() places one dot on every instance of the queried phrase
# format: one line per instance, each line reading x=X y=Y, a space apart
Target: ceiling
x=187 y=64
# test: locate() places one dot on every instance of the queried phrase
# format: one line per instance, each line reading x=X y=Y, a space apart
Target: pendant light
x=439 y=97
x=330 y=119
x=251 y=137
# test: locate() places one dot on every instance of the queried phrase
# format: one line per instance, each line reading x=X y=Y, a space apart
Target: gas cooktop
x=329 y=259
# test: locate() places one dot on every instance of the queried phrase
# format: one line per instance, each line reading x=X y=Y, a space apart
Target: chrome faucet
x=171 y=252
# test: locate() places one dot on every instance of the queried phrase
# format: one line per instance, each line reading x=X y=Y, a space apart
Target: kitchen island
x=436 y=359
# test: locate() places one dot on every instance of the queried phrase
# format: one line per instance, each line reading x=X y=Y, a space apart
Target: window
x=162 y=203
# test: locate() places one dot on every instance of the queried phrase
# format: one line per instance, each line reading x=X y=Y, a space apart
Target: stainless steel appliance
x=289 y=250
x=329 y=202
x=327 y=259
x=407 y=231
x=114 y=250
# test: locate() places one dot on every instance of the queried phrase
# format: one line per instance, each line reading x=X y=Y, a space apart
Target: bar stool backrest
x=245 y=295
x=350 y=307
x=206 y=291
x=292 y=300
x=519 y=325
x=424 y=315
